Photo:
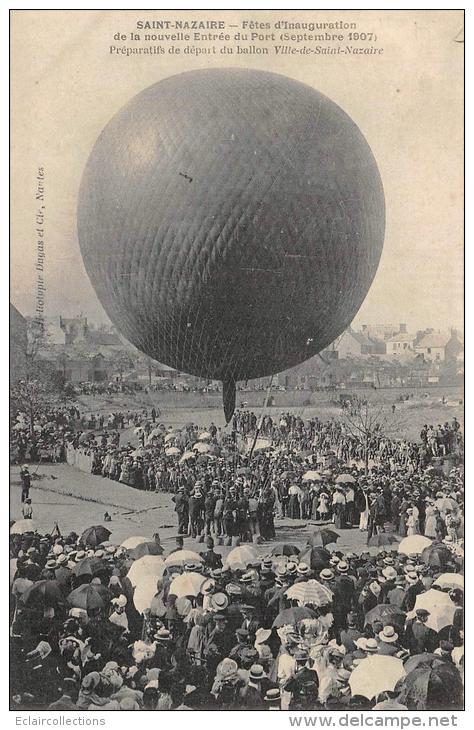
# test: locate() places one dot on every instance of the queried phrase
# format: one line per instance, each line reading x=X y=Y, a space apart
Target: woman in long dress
x=323 y=506
x=412 y=522
x=402 y=526
x=430 y=522
x=364 y=516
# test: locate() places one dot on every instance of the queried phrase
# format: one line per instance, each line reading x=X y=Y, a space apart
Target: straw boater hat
x=272 y=696
x=303 y=569
x=326 y=574
x=388 y=635
x=411 y=578
x=256 y=672
x=219 y=602
x=261 y=635
x=163 y=635
x=342 y=566
x=389 y=573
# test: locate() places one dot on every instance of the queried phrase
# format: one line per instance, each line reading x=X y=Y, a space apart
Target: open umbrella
x=440 y=607
x=13 y=562
x=93 y=536
x=241 y=557
x=382 y=539
x=444 y=503
x=201 y=447
x=386 y=613
x=143 y=596
x=146 y=570
x=181 y=557
x=345 y=479
x=205 y=436
x=433 y=687
x=413 y=544
x=312 y=476
x=170 y=437
x=89 y=596
x=316 y=557
x=145 y=548
x=43 y=594
x=310 y=592
x=131 y=542
x=89 y=566
x=187 y=456
x=21 y=527
x=187 y=584
x=450 y=580
x=436 y=555
x=292 y=616
x=323 y=537
x=286 y=549
x=376 y=674
x=172 y=451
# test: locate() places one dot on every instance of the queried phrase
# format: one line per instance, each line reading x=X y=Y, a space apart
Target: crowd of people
x=265 y=626
x=300 y=627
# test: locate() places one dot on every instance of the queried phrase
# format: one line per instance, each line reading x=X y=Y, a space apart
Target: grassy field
x=179 y=408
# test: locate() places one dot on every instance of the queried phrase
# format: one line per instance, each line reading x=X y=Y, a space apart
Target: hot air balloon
x=231 y=222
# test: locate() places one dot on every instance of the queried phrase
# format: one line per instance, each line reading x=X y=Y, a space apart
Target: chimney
x=403 y=328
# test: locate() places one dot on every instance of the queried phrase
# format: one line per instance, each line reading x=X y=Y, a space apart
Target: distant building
x=75 y=329
x=18 y=344
x=382 y=331
x=359 y=344
x=454 y=349
x=400 y=343
x=432 y=345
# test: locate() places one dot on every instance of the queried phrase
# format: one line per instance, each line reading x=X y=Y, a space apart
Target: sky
x=408 y=103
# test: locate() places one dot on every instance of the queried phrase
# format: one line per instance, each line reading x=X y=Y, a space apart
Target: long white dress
x=364 y=516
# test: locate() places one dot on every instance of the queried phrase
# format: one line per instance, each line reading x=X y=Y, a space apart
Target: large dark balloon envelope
x=231 y=222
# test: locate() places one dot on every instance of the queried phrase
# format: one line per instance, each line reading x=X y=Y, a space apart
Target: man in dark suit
x=211 y=559
x=419 y=638
x=350 y=635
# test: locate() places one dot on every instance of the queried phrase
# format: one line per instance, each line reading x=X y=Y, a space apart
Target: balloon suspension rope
x=260 y=423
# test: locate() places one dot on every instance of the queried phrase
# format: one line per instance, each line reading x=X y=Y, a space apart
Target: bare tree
x=363 y=419
x=29 y=395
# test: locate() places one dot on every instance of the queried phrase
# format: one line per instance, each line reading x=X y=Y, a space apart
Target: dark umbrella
x=383 y=538
x=292 y=616
x=316 y=557
x=389 y=615
x=437 y=555
x=89 y=596
x=418 y=660
x=43 y=594
x=145 y=548
x=89 y=566
x=323 y=537
x=433 y=688
x=93 y=536
x=286 y=549
x=63 y=575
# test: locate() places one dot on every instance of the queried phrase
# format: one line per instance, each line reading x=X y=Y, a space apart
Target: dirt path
x=76 y=500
